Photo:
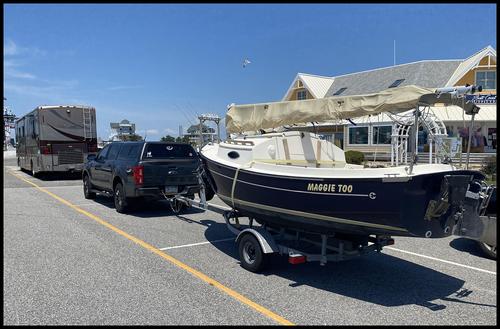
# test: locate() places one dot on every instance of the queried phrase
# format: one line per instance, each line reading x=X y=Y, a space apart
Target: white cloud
x=10 y=48
x=152 y=131
x=18 y=74
x=170 y=131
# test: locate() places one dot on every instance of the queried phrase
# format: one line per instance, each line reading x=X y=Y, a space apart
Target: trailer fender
x=265 y=239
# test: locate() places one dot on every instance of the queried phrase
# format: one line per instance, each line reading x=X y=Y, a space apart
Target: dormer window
x=301 y=95
x=396 y=83
x=487 y=79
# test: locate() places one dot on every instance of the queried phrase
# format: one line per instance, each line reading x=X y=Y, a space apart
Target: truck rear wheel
x=121 y=202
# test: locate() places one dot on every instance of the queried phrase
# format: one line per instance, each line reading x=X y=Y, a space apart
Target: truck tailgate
x=159 y=173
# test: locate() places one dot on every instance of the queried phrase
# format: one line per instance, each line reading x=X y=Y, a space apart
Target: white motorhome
x=56 y=138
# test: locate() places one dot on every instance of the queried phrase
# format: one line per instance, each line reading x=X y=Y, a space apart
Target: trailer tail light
x=138 y=172
x=45 y=150
x=296 y=259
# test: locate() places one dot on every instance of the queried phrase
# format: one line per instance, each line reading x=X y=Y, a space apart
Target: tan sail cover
x=252 y=117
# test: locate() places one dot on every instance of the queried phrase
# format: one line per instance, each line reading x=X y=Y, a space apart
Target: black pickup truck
x=131 y=171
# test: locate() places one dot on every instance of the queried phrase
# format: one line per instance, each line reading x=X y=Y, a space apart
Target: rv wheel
x=251 y=255
x=33 y=172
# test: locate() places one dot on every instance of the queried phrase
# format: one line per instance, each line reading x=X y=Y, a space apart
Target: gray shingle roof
x=430 y=74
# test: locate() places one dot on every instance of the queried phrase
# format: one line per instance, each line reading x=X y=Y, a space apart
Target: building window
x=396 y=83
x=382 y=135
x=358 y=135
x=487 y=79
x=301 y=94
x=340 y=91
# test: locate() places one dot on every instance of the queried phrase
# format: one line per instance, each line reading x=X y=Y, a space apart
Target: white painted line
x=196 y=244
x=442 y=260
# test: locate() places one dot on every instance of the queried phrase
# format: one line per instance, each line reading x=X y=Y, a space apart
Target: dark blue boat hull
x=359 y=206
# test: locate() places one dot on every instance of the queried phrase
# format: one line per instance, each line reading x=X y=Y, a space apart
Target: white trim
x=465 y=67
x=304 y=85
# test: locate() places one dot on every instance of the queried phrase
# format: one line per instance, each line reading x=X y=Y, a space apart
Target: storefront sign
x=482 y=99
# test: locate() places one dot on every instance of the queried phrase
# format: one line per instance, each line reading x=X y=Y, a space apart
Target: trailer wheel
x=252 y=257
x=86 y=188
x=121 y=202
x=490 y=251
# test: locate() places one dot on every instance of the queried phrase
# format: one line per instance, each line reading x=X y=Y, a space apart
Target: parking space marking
x=442 y=260
x=178 y=263
x=196 y=244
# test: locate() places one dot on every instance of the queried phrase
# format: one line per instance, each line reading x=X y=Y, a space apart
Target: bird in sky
x=246 y=62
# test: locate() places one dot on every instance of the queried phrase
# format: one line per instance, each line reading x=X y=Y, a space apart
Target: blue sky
x=159 y=65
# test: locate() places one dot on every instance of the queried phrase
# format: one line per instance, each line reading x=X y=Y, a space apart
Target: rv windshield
x=168 y=151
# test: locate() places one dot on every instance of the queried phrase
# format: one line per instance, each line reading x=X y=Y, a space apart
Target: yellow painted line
x=169 y=258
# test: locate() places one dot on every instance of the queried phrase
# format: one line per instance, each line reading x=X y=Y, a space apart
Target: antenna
x=394 y=52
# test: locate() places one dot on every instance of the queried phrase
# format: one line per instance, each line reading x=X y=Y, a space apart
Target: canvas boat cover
x=253 y=117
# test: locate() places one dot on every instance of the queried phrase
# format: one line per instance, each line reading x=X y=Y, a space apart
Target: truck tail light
x=138 y=172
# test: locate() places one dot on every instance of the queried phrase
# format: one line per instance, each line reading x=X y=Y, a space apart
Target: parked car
x=131 y=171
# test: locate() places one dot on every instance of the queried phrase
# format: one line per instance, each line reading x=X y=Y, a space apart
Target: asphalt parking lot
x=64 y=265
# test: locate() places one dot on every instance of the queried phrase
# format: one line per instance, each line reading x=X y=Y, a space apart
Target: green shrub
x=490 y=166
x=354 y=157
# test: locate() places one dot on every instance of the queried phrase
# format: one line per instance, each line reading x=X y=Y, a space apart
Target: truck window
x=113 y=151
x=129 y=151
x=103 y=153
x=168 y=151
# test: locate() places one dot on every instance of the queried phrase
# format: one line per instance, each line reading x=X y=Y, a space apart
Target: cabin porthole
x=233 y=155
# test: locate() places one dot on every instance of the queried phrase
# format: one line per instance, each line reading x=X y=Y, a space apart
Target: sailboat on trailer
x=294 y=179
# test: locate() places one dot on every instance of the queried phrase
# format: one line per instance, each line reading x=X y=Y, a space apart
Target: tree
x=131 y=137
x=167 y=138
x=183 y=139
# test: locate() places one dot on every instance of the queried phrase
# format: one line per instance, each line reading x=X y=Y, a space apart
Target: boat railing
x=239 y=142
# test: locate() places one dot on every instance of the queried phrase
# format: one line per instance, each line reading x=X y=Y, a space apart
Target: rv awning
x=253 y=117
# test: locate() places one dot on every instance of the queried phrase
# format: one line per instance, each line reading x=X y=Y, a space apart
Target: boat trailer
x=256 y=244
